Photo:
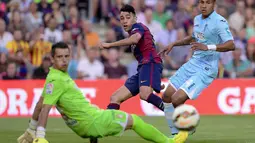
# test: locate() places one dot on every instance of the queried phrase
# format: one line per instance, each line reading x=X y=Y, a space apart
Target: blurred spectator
x=222 y=11
x=249 y=12
x=57 y=13
x=51 y=34
x=250 y=29
x=90 y=68
x=160 y=15
x=18 y=44
x=250 y=3
x=132 y=68
x=67 y=37
x=3 y=13
x=42 y=71
x=3 y=6
x=153 y=25
x=73 y=65
x=33 y=19
x=113 y=69
x=181 y=15
x=242 y=36
x=68 y=5
x=17 y=23
x=179 y=54
x=5 y=36
x=38 y=1
x=169 y=34
x=251 y=49
x=189 y=22
x=115 y=19
x=110 y=36
x=24 y=67
x=24 y=5
x=238 y=67
x=39 y=48
x=73 y=23
x=139 y=14
x=44 y=7
x=227 y=57
x=13 y=5
x=11 y=72
x=3 y=62
x=91 y=37
x=237 y=19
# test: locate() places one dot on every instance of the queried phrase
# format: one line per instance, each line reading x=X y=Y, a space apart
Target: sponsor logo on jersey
x=200 y=36
x=49 y=88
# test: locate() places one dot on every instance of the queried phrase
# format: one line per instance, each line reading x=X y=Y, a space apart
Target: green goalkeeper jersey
x=60 y=90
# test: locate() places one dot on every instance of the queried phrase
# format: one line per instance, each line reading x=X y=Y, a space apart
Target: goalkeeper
x=84 y=119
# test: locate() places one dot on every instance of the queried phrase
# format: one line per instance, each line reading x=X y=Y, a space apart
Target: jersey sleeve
x=223 y=30
x=136 y=28
x=52 y=92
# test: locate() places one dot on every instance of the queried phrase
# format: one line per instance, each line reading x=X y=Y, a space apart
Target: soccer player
x=211 y=35
x=84 y=119
x=149 y=68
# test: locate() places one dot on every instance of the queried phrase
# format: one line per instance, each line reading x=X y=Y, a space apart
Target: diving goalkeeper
x=84 y=119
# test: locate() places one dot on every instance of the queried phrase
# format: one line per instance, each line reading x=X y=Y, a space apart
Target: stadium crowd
x=28 y=28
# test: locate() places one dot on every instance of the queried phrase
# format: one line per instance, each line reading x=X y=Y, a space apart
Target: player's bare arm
x=225 y=47
x=37 y=109
x=42 y=121
x=133 y=39
x=29 y=134
x=43 y=117
x=186 y=41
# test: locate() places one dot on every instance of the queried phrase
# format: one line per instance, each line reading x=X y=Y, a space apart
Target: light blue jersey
x=202 y=68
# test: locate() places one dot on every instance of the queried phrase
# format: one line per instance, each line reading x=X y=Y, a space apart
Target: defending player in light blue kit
x=211 y=35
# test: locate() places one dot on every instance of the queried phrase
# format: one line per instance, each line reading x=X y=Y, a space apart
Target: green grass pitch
x=212 y=129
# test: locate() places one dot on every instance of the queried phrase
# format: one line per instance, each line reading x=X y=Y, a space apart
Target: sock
x=156 y=101
x=148 y=132
x=169 y=109
x=113 y=106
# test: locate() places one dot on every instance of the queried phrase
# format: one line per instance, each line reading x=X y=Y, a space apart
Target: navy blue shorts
x=147 y=75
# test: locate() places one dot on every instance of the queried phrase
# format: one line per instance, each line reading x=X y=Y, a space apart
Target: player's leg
x=150 y=133
x=130 y=89
x=191 y=89
x=169 y=108
x=175 y=83
x=149 y=80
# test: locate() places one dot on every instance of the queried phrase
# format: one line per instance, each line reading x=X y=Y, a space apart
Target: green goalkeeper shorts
x=109 y=123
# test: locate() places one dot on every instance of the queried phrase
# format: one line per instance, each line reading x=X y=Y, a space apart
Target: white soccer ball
x=185 y=117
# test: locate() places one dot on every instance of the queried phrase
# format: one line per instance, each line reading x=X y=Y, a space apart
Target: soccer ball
x=185 y=117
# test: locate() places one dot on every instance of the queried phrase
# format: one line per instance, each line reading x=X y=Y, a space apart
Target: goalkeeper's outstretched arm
x=42 y=121
x=29 y=134
x=37 y=109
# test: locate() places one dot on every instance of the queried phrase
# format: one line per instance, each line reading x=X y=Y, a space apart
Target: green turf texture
x=212 y=129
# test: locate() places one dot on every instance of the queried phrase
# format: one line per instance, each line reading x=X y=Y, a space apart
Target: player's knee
x=144 y=95
x=145 y=92
x=166 y=98
x=178 y=99
x=115 y=99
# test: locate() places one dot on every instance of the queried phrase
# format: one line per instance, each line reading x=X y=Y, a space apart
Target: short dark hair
x=60 y=45
x=128 y=8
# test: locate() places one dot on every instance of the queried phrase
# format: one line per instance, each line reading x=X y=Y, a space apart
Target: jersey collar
x=212 y=14
x=57 y=71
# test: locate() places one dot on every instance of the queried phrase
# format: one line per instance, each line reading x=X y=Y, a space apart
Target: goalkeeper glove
x=40 y=140
x=29 y=134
